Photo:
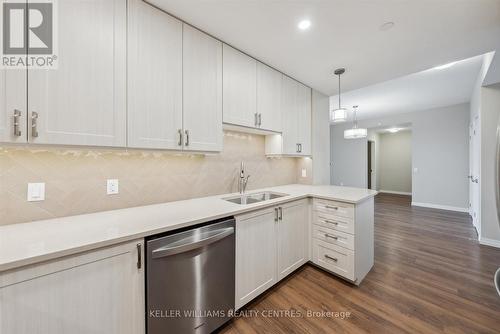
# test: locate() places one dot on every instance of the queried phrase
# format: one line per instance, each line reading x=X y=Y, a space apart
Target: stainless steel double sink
x=254 y=198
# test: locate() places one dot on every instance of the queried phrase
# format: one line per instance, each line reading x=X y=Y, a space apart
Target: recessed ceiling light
x=442 y=67
x=386 y=26
x=393 y=130
x=304 y=24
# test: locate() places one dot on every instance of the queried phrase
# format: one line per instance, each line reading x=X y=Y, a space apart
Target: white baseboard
x=489 y=242
x=441 y=207
x=394 y=192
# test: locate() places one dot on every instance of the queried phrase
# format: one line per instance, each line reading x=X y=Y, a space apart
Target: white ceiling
x=425 y=90
x=345 y=33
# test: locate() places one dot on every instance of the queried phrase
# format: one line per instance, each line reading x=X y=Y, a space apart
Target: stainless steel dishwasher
x=190 y=279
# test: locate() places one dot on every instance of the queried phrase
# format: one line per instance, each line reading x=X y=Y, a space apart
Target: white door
x=255 y=254
x=83 y=101
x=202 y=92
x=474 y=190
x=239 y=87
x=100 y=292
x=13 y=125
x=304 y=119
x=154 y=78
x=292 y=238
x=268 y=97
x=289 y=112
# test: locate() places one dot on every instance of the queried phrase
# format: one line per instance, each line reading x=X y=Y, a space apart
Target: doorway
x=371 y=164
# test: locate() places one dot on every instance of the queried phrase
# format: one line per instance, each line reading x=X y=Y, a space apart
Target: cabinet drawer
x=336 y=209
x=341 y=224
x=336 y=259
x=333 y=237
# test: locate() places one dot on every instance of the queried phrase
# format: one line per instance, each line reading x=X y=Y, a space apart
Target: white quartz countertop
x=28 y=243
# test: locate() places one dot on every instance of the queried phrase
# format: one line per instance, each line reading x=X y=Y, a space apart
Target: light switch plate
x=415 y=170
x=112 y=186
x=304 y=172
x=36 y=192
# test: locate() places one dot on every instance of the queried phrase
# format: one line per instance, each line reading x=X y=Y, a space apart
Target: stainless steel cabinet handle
x=300 y=148
x=331 y=258
x=34 y=118
x=260 y=119
x=17 y=131
x=332 y=207
x=180 y=137
x=139 y=256
x=281 y=213
x=276 y=217
x=187 y=137
x=256 y=122
x=297 y=149
x=331 y=236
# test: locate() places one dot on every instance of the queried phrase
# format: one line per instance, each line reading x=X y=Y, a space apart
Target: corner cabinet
x=99 y=292
x=270 y=244
x=83 y=101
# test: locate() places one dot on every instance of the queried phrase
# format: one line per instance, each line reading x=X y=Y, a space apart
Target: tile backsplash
x=75 y=178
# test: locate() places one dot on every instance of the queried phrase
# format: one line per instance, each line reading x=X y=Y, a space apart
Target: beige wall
x=395 y=162
x=76 y=177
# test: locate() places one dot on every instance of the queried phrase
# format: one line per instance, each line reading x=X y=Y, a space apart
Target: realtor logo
x=28 y=34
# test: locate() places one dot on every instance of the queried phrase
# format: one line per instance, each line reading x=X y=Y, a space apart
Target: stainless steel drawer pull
x=139 y=256
x=260 y=120
x=332 y=207
x=331 y=236
x=331 y=258
x=17 y=131
x=255 y=119
x=276 y=216
x=34 y=118
x=330 y=221
x=281 y=213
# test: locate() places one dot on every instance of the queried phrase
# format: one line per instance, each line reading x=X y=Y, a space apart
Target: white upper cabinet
x=304 y=119
x=13 y=106
x=290 y=114
x=83 y=101
x=154 y=78
x=269 y=82
x=240 y=88
x=202 y=92
x=296 y=121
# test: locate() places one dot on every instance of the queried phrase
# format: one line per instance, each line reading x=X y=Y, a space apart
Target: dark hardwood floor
x=430 y=276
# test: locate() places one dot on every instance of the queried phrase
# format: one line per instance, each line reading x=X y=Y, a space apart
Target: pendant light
x=340 y=114
x=355 y=132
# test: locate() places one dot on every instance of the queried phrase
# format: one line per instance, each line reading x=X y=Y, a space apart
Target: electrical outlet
x=36 y=192
x=304 y=172
x=112 y=186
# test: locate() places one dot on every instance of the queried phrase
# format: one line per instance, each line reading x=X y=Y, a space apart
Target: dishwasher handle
x=190 y=245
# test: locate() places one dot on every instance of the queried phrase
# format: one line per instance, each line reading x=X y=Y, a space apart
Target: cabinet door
x=269 y=97
x=289 y=113
x=100 y=292
x=154 y=78
x=202 y=93
x=255 y=255
x=292 y=238
x=13 y=106
x=83 y=101
x=304 y=119
x=239 y=87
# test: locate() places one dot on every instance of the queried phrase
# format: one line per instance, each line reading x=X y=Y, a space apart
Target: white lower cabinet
x=99 y=292
x=255 y=254
x=342 y=238
x=270 y=244
x=292 y=237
